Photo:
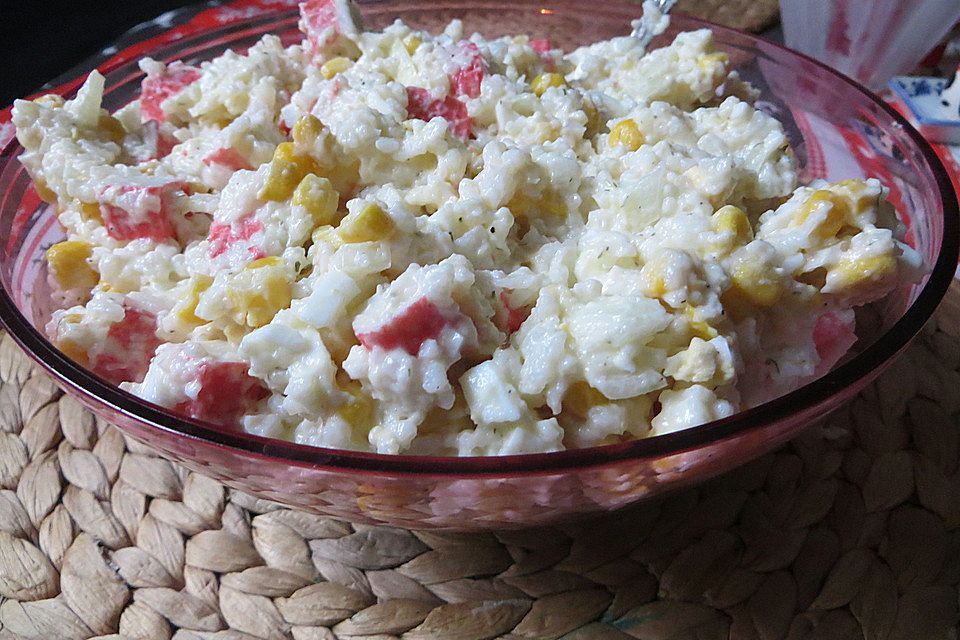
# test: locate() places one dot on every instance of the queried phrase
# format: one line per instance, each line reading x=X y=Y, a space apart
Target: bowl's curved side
x=476 y=501
x=533 y=489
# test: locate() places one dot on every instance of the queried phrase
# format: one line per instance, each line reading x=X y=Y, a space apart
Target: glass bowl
x=838 y=130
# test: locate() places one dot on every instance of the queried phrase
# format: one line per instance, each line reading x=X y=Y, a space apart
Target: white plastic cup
x=869 y=40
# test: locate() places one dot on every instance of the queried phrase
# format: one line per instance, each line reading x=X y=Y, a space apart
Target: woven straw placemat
x=850 y=531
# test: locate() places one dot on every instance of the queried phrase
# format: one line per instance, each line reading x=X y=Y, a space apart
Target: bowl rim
x=806 y=398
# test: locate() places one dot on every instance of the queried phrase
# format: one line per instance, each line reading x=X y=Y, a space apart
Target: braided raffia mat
x=852 y=531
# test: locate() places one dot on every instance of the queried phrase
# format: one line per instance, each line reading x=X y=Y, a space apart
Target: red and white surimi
x=422 y=106
x=514 y=316
x=227 y=392
x=833 y=335
x=465 y=81
x=157 y=87
x=228 y=158
x=224 y=236
x=130 y=344
x=409 y=329
x=157 y=144
x=543 y=46
x=325 y=21
x=140 y=211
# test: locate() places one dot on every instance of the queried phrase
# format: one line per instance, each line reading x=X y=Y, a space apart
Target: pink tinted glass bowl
x=838 y=130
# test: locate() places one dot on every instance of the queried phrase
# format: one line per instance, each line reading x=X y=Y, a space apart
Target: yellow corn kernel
x=702 y=330
x=348 y=49
x=113 y=127
x=91 y=211
x=327 y=235
x=197 y=187
x=580 y=398
x=186 y=309
x=859 y=199
x=68 y=264
x=755 y=284
x=318 y=197
x=359 y=409
x=733 y=220
x=234 y=333
x=307 y=130
x=287 y=169
x=546 y=80
x=258 y=292
x=626 y=134
x=699 y=328
x=654 y=275
x=221 y=123
x=285 y=153
x=657 y=288
x=44 y=191
x=368 y=224
x=523 y=206
x=850 y=272
x=333 y=66
x=712 y=59
x=269 y=261
x=73 y=351
x=837 y=212
x=412 y=43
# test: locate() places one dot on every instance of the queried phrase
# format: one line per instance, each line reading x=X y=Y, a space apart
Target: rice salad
x=402 y=242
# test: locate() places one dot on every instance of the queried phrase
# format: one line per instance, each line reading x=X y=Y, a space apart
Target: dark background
x=40 y=40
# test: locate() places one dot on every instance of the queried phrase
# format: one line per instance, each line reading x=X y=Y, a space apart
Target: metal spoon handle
x=641 y=29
